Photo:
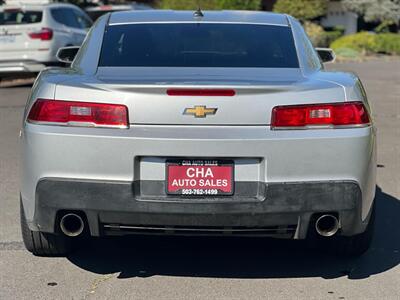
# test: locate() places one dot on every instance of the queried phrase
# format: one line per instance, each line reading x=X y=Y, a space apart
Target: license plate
x=200 y=177
x=6 y=39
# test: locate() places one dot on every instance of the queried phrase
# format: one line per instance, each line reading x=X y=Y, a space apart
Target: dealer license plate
x=200 y=177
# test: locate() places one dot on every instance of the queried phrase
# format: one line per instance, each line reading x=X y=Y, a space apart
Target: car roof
x=223 y=16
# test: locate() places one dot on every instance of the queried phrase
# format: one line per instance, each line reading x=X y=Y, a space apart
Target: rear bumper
x=21 y=67
x=116 y=177
x=27 y=60
x=281 y=209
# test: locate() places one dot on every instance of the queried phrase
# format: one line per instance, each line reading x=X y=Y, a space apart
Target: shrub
x=211 y=4
x=388 y=43
x=302 y=9
x=332 y=36
x=239 y=4
x=316 y=34
x=369 y=43
x=188 y=4
x=319 y=37
x=363 y=42
x=347 y=53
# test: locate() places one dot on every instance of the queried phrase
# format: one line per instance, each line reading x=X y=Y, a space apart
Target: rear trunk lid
x=145 y=92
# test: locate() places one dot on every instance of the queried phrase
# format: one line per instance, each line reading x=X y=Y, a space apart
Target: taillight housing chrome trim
x=308 y=127
x=77 y=124
x=78 y=114
x=332 y=116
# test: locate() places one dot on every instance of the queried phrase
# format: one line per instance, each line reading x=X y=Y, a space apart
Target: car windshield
x=17 y=16
x=198 y=45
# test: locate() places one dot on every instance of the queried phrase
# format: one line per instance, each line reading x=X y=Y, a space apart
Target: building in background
x=338 y=16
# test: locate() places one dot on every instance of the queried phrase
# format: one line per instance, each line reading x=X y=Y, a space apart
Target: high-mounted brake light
x=83 y=114
x=44 y=34
x=201 y=92
x=320 y=115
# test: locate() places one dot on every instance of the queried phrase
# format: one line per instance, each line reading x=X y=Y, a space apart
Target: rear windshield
x=15 y=17
x=198 y=45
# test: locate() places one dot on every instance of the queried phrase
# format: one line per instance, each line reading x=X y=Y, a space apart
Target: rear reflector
x=324 y=115
x=44 y=34
x=201 y=92
x=71 y=113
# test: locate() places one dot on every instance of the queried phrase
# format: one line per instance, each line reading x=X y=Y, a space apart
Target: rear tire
x=41 y=243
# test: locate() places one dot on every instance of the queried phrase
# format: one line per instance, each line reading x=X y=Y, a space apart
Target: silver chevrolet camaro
x=197 y=123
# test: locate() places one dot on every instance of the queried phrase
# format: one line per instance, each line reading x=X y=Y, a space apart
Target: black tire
x=354 y=246
x=41 y=243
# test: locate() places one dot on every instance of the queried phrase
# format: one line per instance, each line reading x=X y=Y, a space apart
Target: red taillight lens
x=45 y=34
x=337 y=114
x=201 y=92
x=71 y=113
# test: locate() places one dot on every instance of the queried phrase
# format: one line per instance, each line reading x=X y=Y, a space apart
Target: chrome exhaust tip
x=71 y=225
x=327 y=225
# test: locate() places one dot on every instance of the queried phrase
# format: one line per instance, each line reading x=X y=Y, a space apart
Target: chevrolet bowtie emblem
x=200 y=111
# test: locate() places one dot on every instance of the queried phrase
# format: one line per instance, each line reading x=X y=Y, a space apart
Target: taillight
x=201 y=92
x=320 y=115
x=71 y=113
x=44 y=34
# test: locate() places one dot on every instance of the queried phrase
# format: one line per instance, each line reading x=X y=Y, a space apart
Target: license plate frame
x=221 y=165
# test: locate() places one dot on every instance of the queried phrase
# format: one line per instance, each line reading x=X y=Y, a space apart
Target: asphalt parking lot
x=177 y=268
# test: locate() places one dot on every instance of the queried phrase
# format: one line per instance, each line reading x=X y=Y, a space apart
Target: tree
x=211 y=4
x=302 y=9
x=385 y=11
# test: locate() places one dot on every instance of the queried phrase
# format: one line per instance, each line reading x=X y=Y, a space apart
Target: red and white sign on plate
x=200 y=177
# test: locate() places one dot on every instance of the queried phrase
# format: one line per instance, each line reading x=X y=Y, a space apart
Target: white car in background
x=31 y=33
x=97 y=11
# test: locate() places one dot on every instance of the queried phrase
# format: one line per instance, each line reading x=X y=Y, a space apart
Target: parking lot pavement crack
x=97 y=282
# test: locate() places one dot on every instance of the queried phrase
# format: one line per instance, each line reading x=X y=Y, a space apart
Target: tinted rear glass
x=15 y=17
x=198 y=45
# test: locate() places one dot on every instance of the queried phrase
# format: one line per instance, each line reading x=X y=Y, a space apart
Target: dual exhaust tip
x=327 y=225
x=72 y=225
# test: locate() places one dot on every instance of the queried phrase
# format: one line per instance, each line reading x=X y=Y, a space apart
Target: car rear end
x=24 y=39
x=198 y=128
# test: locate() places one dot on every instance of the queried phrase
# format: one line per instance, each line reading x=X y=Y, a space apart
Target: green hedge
x=210 y=4
x=302 y=9
x=332 y=36
x=369 y=43
x=388 y=43
x=318 y=36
